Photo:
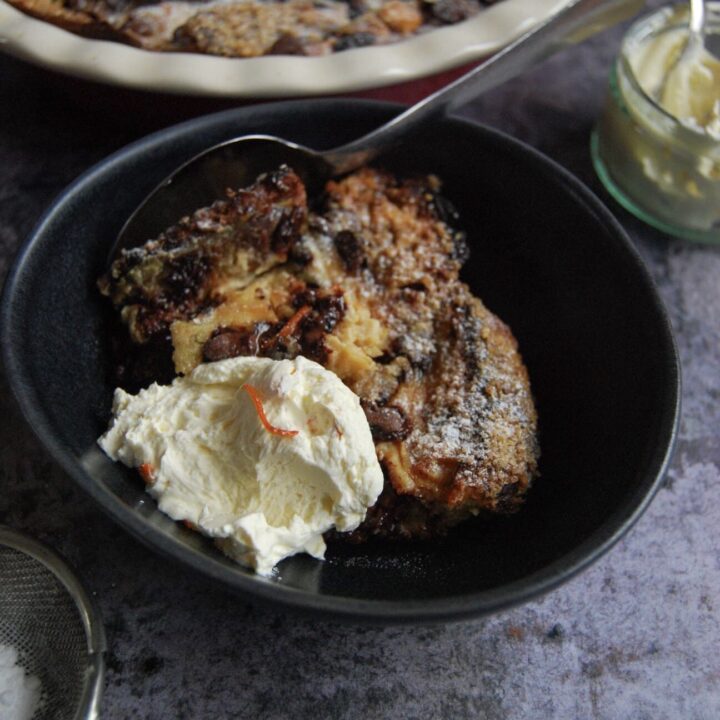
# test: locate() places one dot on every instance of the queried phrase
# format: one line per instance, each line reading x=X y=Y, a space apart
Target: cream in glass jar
x=656 y=146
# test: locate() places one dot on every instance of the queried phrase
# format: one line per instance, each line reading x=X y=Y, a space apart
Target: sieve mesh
x=41 y=620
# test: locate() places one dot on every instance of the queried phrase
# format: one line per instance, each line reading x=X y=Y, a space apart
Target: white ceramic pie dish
x=272 y=76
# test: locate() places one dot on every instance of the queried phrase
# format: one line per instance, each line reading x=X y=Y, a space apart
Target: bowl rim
x=270 y=76
x=435 y=609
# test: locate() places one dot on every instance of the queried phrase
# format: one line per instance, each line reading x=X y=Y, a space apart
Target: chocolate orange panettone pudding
x=364 y=282
x=251 y=28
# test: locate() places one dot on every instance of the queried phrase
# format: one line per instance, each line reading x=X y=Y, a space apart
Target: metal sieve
x=46 y=615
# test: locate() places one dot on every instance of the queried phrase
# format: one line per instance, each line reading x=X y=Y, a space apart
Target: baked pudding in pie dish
x=256 y=48
x=252 y=28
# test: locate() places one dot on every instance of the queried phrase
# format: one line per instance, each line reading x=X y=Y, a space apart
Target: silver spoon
x=696 y=40
x=238 y=162
x=693 y=49
x=689 y=90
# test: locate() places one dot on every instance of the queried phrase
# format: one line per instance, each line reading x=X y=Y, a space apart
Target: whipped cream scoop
x=262 y=455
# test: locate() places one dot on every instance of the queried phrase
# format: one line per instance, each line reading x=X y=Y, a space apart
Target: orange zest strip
x=292 y=324
x=255 y=397
x=147 y=473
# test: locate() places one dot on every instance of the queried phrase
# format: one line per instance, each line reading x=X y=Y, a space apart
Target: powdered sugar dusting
x=19 y=692
x=463 y=383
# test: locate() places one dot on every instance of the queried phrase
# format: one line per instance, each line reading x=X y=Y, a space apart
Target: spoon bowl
x=205 y=178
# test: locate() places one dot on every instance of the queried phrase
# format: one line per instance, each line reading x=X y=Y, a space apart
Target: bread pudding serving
x=364 y=282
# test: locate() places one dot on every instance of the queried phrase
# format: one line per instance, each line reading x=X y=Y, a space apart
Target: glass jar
x=664 y=171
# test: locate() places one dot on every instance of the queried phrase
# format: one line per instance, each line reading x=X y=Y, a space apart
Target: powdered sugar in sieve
x=51 y=639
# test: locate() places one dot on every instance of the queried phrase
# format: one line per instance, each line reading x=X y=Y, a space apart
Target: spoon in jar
x=238 y=162
x=690 y=88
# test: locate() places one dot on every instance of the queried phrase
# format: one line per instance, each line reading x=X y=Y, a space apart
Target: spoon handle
x=574 y=22
x=697 y=18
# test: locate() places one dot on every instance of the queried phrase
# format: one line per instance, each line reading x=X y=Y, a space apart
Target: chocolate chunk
x=287 y=45
x=453 y=11
x=300 y=254
x=350 y=249
x=415 y=287
x=226 y=343
x=184 y=275
x=287 y=232
x=356 y=40
x=329 y=311
x=386 y=423
x=305 y=296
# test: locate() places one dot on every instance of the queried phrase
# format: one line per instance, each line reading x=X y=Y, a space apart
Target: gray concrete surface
x=633 y=638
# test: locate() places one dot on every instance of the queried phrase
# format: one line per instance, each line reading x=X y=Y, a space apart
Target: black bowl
x=547 y=257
